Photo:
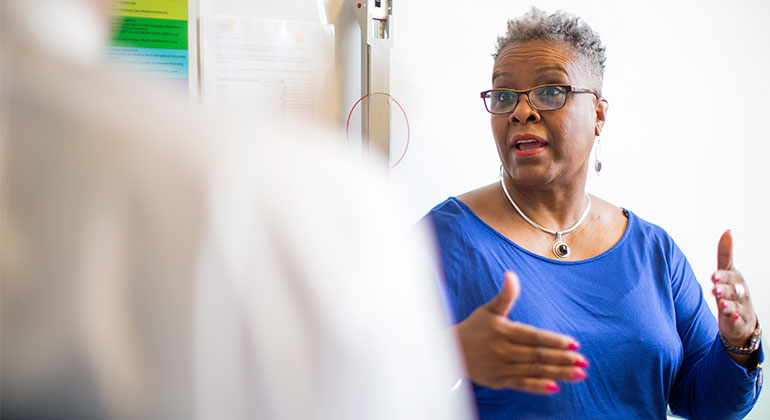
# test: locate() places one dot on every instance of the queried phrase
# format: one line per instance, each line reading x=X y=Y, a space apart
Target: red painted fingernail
x=736 y=315
x=552 y=388
x=715 y=278
x=573 y=345
x=724 y=304
x=581 y=363
x=718 y=291
x=579 y=375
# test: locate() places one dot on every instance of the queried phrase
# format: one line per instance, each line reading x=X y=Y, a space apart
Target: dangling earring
x=598 y=156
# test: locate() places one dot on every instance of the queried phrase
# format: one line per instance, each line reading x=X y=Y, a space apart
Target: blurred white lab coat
x=160 y=264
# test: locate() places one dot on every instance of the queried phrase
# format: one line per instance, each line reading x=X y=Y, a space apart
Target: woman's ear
x=601 y=115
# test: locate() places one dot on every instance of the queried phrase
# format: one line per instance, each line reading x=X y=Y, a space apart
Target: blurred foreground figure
x=156 y=264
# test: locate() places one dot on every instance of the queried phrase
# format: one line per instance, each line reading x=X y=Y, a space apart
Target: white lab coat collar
x=74 y=30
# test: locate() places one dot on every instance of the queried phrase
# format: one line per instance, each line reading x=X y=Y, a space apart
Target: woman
x=610 y=321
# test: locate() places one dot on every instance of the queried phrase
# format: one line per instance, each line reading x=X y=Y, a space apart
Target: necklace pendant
x=560 y=249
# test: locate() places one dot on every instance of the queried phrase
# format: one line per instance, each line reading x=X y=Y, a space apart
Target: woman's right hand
x=500 y=353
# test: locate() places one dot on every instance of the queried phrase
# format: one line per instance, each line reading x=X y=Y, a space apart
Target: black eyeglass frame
x=569 y=88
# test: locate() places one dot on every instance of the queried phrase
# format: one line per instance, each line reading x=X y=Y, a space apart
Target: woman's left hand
x=737 y=318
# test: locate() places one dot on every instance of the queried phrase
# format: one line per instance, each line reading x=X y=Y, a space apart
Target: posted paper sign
x=150 y=37
x=279 y=69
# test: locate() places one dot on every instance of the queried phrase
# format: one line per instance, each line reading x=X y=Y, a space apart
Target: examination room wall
x=686 y=142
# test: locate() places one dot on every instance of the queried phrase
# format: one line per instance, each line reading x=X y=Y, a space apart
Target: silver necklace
x=560 y=248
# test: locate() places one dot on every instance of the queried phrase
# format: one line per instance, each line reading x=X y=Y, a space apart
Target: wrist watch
x=754 y=342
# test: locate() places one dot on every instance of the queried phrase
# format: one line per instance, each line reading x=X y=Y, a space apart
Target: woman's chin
x=531 y=177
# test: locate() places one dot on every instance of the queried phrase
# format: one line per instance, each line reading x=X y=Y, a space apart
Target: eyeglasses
x=541 y=98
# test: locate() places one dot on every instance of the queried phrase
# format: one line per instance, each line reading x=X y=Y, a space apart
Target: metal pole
x=375 y=17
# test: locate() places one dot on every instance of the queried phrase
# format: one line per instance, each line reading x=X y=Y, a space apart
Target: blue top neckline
x=618 y=244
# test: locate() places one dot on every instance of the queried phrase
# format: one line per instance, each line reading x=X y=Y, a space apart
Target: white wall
x=686 y=143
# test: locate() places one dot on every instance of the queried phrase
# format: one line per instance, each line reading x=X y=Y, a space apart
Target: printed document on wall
x=276 y=69
x=149 y=38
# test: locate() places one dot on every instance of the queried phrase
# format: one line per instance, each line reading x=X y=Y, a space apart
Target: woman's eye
x=505 y=97
x=551 y=91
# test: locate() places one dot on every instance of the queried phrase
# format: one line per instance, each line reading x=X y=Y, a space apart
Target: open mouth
x=528 y=144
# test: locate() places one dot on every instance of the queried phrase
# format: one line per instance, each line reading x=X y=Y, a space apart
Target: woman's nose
x=524 y=112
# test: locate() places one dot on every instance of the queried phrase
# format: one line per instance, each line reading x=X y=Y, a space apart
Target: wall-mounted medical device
x=375 y=17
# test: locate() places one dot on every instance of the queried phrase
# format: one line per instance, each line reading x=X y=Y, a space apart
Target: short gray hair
x=558 y=26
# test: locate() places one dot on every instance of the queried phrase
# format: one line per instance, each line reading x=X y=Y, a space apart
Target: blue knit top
x=636 y=309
